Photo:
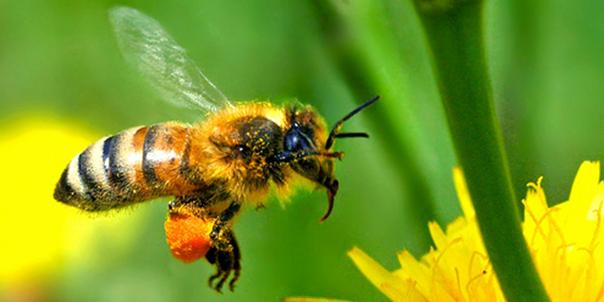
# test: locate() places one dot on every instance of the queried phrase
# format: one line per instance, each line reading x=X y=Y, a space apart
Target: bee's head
x=307 y=147
x=305 y=138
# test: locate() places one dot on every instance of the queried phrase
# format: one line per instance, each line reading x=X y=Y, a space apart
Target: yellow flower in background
x=565 y=241
x=38 y=234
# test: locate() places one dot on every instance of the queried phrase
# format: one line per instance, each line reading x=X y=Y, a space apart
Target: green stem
x=454 y=31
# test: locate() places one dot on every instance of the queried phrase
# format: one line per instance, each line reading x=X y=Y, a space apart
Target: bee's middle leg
x=220 y=235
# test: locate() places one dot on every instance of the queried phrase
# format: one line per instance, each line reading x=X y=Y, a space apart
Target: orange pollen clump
x=188 y=235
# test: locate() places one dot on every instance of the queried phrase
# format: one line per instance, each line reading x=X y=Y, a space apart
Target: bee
x=213 y=168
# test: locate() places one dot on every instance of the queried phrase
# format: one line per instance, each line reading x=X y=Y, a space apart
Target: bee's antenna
x=334 y=133
x=351 y=134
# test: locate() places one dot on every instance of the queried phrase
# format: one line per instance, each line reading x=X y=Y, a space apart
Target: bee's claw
x=216 y=287
x=220 y=283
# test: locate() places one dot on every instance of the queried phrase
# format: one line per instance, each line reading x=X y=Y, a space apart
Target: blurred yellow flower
x=565 y=242
x=38 y=234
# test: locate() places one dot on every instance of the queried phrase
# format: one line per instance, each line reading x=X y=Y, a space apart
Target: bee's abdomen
x=135 y=165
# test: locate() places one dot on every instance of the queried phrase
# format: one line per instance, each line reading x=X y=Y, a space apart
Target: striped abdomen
x=132 y=166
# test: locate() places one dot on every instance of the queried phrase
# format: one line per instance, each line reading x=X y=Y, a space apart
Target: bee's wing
x=165 y=64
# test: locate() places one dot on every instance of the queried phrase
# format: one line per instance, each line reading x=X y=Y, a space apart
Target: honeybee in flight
x=214 y=167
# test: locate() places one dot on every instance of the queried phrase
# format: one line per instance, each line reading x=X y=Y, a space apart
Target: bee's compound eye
x=296 y=140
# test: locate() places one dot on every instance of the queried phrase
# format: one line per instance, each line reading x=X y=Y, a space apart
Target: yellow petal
x=462 y=192
x=369 y=267
x=597 y=206
x=437 y=234
x=413 y=269
x=586 y=182
x=395 y=288
x=402 y=291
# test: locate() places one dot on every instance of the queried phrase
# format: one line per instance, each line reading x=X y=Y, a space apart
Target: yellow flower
x=37 y=234
x=565 y=242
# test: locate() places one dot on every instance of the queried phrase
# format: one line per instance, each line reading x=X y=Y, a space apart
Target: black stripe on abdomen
x=185 y=169
x=148 y=162
x=118 y=176
x=92 y=188
x=63 y=191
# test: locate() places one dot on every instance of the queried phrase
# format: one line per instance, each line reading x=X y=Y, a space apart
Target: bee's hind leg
x=224 y=264
x=226 y=261
x=219 y=235
x=236 y=263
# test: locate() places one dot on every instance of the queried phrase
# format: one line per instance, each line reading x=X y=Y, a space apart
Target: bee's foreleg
x=219 y=235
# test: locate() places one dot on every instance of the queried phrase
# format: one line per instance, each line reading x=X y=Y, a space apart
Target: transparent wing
x=165 y=64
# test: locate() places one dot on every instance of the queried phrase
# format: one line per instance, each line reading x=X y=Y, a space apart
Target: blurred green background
x=59 y=59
